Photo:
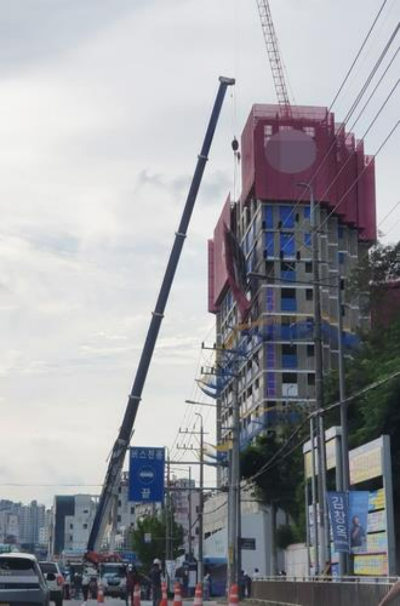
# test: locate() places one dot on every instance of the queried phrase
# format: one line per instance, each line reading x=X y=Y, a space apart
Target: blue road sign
x=146 y=475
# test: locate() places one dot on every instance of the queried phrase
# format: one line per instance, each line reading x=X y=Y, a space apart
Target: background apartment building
x=22 y=525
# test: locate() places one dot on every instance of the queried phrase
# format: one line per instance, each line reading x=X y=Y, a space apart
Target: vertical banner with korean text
x=338 y=503
x=146 y=474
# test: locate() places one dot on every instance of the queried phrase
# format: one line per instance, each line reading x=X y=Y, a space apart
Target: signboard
x=249 y=544
x=376 y=521
x=129 y=556
x=338 y=503
x=147 y=537
x=146 y=475
x=330 y=448
x=377 y=499
x=366 y=462
x=371 y=565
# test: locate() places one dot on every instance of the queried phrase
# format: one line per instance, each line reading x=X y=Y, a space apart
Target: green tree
x=375 y=269
x=277 y=487
x=155 y=526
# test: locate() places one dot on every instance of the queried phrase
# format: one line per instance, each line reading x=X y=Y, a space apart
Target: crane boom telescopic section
x=125 y=433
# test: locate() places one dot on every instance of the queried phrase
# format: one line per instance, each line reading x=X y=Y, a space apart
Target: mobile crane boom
x=125 y=432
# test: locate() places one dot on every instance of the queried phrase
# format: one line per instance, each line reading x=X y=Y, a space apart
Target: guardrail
x=322 y=591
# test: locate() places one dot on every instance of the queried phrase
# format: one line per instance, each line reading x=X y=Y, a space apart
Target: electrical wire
x=396 y=204
x=349 y=114
x=368 y=35
x=275 y=459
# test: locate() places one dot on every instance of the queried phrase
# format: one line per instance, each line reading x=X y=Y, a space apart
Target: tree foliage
x=156 y=548
x=377 y=268
x=377 y=412
x=277 y=485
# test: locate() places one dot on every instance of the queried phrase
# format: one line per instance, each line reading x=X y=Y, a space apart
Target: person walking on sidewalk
x=155 y=579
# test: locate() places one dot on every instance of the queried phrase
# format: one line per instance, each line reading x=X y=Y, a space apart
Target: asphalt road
x=115 y=602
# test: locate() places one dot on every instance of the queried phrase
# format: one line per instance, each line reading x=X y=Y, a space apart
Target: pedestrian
x=242 y=585
x=85 y=586
x=207 y=586
x=247 y=585
x=132 y=579
x=155 y=579
x=77 y=581
x=392 y=595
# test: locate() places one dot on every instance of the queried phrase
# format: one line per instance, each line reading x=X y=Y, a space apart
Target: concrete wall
x=320 y=593
x=296 y=563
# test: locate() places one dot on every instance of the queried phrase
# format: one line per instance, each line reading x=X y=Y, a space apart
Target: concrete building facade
x=270 y=319
x=72 y=520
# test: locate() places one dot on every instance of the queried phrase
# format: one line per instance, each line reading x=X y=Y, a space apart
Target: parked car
x=22 y=581
x=54 y=580
x=113 y=580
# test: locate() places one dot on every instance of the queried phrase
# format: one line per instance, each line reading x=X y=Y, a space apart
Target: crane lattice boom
x=271 y=42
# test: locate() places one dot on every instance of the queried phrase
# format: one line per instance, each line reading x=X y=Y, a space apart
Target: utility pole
x=321 y=453
x=201 y=503
x=167 y=519
x=314 y=497
x=200 y=560
x=234 y=521
x=190 y=516
x=345 y=476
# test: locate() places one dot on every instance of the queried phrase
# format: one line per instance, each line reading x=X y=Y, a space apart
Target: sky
x=104 y=105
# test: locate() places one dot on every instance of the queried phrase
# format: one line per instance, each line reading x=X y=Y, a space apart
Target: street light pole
x=321 y=453
x=344 y=442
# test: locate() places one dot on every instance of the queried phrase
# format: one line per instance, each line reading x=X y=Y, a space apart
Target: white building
x=256 y=532
x=78 y=526
x=185 y=502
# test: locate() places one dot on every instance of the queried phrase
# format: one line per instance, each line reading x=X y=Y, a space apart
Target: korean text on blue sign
x=146 y=475
x=339 y=514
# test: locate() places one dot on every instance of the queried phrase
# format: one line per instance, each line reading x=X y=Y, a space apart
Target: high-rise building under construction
x=266 y=319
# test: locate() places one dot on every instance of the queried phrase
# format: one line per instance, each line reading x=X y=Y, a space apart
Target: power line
x=395 y=205
x=275 y=459
x=349 y=114
x=358 y=55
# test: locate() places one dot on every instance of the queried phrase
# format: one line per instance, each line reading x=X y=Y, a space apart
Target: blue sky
x=104 y=106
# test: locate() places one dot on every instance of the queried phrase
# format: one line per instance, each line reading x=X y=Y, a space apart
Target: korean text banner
x=358 y=514
x=339 y=513
x=146 y=475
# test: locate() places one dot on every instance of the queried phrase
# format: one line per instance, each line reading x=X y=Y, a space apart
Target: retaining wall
x=309 y=593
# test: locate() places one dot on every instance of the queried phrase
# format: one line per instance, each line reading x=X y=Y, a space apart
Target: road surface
x=118 y=602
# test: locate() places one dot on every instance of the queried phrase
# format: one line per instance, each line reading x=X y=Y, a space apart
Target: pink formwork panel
x=334 y=170
x=217 y=265
x=281 y=150
x=367 y=205
x=211 y=296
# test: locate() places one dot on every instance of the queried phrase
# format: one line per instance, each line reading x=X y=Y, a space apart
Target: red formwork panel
x=334 y=172
x=368 y=202
x=211 y=276
x=280 y=150
x=217 y=265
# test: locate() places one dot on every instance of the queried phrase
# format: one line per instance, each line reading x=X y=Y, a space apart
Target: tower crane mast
x=271 y=42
